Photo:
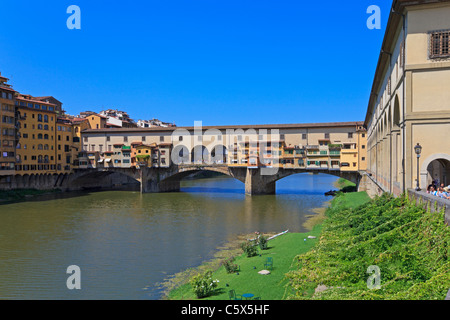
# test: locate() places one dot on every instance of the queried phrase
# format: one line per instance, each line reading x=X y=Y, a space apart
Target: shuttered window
x=439 y=44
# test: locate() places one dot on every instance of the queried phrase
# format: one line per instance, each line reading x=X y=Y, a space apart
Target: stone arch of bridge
x=188 y=170
x=98 y=176
x=284 y=173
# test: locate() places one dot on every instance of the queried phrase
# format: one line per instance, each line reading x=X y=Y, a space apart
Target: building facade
x=410 y=99
x=154 y=123
x=328 y=146
x=8 y=132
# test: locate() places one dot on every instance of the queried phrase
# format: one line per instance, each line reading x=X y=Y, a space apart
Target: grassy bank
x=352 y=199
x=408 y=245
x=282 y=249
x=345 y=185
x=21 y=194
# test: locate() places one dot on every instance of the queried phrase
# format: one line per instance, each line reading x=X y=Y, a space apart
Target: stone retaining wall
x=432 y=203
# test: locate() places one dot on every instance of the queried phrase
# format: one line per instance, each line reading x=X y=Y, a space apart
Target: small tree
x=262 y=242
x=230 y=267
x=203 y=284
x=250 y=249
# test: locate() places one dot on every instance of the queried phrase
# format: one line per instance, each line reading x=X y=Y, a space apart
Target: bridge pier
x=257 y=184
x=153 y=186
x=152 y=181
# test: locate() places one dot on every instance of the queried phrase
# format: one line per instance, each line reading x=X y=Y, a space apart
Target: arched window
x=45 y=146
x=40 y=136
x=40 y=127
x=46 y=136
x=40 y=117
x=46 y=118
x=40 y=147
x=46 y=127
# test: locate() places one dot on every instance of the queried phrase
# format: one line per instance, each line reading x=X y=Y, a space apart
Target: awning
x=100 y=161
x=108 y=160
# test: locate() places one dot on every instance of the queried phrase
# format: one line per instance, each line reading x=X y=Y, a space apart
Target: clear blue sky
x=218 y=61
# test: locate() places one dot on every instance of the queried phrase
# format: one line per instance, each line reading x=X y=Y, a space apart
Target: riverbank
x=282 y=249
x=344 y=186
x=390 y=239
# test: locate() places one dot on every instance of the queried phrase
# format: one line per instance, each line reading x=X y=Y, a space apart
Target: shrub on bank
x=203 y=284
x=230 y=266
x=250 y=248
x=262 y=242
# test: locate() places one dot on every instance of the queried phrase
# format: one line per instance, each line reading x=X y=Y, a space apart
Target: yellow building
x=97 y=121
x=144 y=154
x=47 y=143
x=7 y=131
x=67 y=145
x=36 y=152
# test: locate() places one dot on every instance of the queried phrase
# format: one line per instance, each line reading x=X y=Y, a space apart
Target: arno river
x=125 y=242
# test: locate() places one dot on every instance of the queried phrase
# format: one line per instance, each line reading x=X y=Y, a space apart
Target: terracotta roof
x=47 y=97
x=4 y=87
x=79 y=119
x=33 y=99
x=230 y=127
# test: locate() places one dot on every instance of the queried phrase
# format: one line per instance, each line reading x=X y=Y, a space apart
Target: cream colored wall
x=426 y=103
x=421 y=20
x=431 y=91
x=210 y=139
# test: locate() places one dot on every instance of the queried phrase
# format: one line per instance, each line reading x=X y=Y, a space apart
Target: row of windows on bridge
x=219 y=137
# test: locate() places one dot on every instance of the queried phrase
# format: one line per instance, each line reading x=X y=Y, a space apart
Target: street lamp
x=418 y=150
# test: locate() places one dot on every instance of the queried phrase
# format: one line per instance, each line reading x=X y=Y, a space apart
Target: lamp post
x=418 y=150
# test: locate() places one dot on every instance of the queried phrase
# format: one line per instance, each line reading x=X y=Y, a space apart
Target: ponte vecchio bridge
x=257 y=155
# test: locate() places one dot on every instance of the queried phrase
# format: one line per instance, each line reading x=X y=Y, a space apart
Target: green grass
x=282 y=249
x=408 y=244
x=350 y=200
x=345 y=185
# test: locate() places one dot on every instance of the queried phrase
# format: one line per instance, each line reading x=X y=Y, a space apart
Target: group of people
x=442 y=191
